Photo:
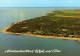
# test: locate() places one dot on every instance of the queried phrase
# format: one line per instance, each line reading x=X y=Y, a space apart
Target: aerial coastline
x=53 y=37
x=59 y=24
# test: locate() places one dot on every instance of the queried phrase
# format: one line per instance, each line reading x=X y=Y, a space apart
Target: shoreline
x=64 y=38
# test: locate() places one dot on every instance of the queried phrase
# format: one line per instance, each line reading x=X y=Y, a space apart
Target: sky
x=39 y=3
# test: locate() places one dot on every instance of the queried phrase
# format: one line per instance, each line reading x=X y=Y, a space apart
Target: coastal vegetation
x=57 y=23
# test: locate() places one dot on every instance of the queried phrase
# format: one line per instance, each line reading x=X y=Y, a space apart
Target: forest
x=58 y=22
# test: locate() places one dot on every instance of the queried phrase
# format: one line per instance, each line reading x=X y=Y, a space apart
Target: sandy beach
x=64 y=38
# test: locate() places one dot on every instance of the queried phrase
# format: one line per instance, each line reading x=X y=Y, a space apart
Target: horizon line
x=37 y=7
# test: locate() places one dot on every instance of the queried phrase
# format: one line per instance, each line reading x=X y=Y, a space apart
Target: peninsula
x=59 y=24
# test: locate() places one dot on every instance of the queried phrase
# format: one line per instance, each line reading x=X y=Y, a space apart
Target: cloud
x=16 y=2
x=28 y=1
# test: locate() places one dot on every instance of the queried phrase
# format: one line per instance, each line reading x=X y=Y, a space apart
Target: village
x=63 y=33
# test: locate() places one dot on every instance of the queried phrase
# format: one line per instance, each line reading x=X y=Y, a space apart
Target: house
x=38 y=32
x=71 y=35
